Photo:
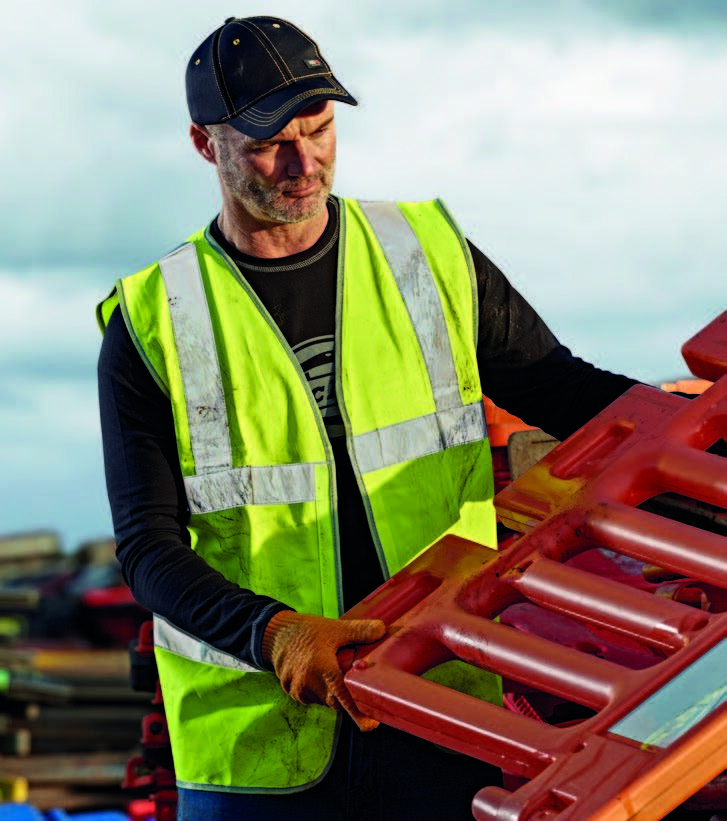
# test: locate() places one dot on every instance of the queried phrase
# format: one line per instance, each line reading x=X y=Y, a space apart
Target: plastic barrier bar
x=651 y=737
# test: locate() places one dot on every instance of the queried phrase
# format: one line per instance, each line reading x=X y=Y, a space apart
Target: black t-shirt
x=522 y=368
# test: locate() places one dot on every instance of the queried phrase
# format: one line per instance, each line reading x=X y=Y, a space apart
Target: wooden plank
x=79 y=663
x=84 y=769
x=34 y=543
x=48 y=798
x=119 y=693
x=92 y=716
x=19 y=598
x=32 y=687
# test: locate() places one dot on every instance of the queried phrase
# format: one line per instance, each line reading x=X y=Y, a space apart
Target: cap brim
x=271 y=114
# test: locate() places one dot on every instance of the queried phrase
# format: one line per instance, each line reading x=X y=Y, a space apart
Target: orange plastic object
x=652 y=737
x=686 y=386
x=706 y=352
x=500 y=424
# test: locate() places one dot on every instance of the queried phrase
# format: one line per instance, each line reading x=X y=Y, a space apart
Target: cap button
x=230 y=20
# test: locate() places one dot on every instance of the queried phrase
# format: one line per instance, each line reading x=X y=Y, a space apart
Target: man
x=291 y=411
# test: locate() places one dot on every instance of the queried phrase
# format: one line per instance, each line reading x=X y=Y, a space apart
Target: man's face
x=285 y=179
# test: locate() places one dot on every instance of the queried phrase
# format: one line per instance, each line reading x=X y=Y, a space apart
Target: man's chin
x=299 y=209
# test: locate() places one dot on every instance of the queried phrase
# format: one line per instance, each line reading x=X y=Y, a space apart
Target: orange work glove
x=302 y=649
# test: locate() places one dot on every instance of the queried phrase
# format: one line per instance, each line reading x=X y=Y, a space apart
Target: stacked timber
x=29 y=554
x=69 y=720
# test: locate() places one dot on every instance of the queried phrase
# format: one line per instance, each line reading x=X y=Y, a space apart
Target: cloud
x=49 y=312
x=556 y=16
x=49 y=432
x=96 y=122
x=589 y=168
x=579 y=144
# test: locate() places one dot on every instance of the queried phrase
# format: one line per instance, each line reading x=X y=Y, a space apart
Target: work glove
x=302 y=649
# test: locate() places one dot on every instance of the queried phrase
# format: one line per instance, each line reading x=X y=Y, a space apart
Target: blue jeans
x=376 y=776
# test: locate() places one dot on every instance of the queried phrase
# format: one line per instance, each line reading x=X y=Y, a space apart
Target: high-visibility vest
x=259 y=471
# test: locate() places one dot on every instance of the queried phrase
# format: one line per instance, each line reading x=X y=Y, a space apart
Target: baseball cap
x=256 y=74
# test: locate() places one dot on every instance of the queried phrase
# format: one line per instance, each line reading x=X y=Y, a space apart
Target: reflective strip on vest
x=413 y=438
x=419 y=291
x=218 y=486
x=193 y=336
x=250 y=485
x=453 y=423
x=176 y=641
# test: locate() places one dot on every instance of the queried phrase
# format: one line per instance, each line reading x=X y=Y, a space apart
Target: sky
x=579 y=143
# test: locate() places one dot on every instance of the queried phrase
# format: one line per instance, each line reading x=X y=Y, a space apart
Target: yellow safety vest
x=259 y=471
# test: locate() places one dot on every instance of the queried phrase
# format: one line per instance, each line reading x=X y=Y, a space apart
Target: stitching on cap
x=272 y=45
x=263 y=40
x=336 y=88
x=224 y=93
x=314 y=44
x=251 y=116
x=236 y=112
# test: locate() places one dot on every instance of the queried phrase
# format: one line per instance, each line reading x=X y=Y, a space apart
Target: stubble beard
x=271 y=203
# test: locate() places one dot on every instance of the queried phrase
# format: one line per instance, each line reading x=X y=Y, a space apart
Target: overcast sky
x=580 y=145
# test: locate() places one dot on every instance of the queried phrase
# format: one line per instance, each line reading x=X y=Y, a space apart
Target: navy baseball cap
x=256 y=74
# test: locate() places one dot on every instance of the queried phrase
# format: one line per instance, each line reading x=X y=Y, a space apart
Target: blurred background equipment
x=69 y=719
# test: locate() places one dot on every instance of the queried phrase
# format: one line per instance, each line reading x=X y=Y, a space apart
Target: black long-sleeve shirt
x=522 y=368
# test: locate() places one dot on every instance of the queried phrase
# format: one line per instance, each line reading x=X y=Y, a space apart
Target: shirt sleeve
x=523 y=367
x=149 y=511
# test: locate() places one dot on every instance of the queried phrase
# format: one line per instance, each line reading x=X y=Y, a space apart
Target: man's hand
x=302 y=650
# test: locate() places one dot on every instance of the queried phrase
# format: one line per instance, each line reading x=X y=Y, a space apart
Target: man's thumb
x=364 y=631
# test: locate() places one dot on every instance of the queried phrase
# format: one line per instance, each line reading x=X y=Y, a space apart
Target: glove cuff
x=278 y=622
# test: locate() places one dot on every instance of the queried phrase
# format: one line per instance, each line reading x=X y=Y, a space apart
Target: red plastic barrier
x=653 y=735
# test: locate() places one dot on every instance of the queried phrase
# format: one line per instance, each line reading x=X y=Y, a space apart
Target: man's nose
x=301 y=162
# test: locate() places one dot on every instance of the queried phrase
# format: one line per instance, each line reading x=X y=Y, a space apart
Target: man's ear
x=202 y=141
